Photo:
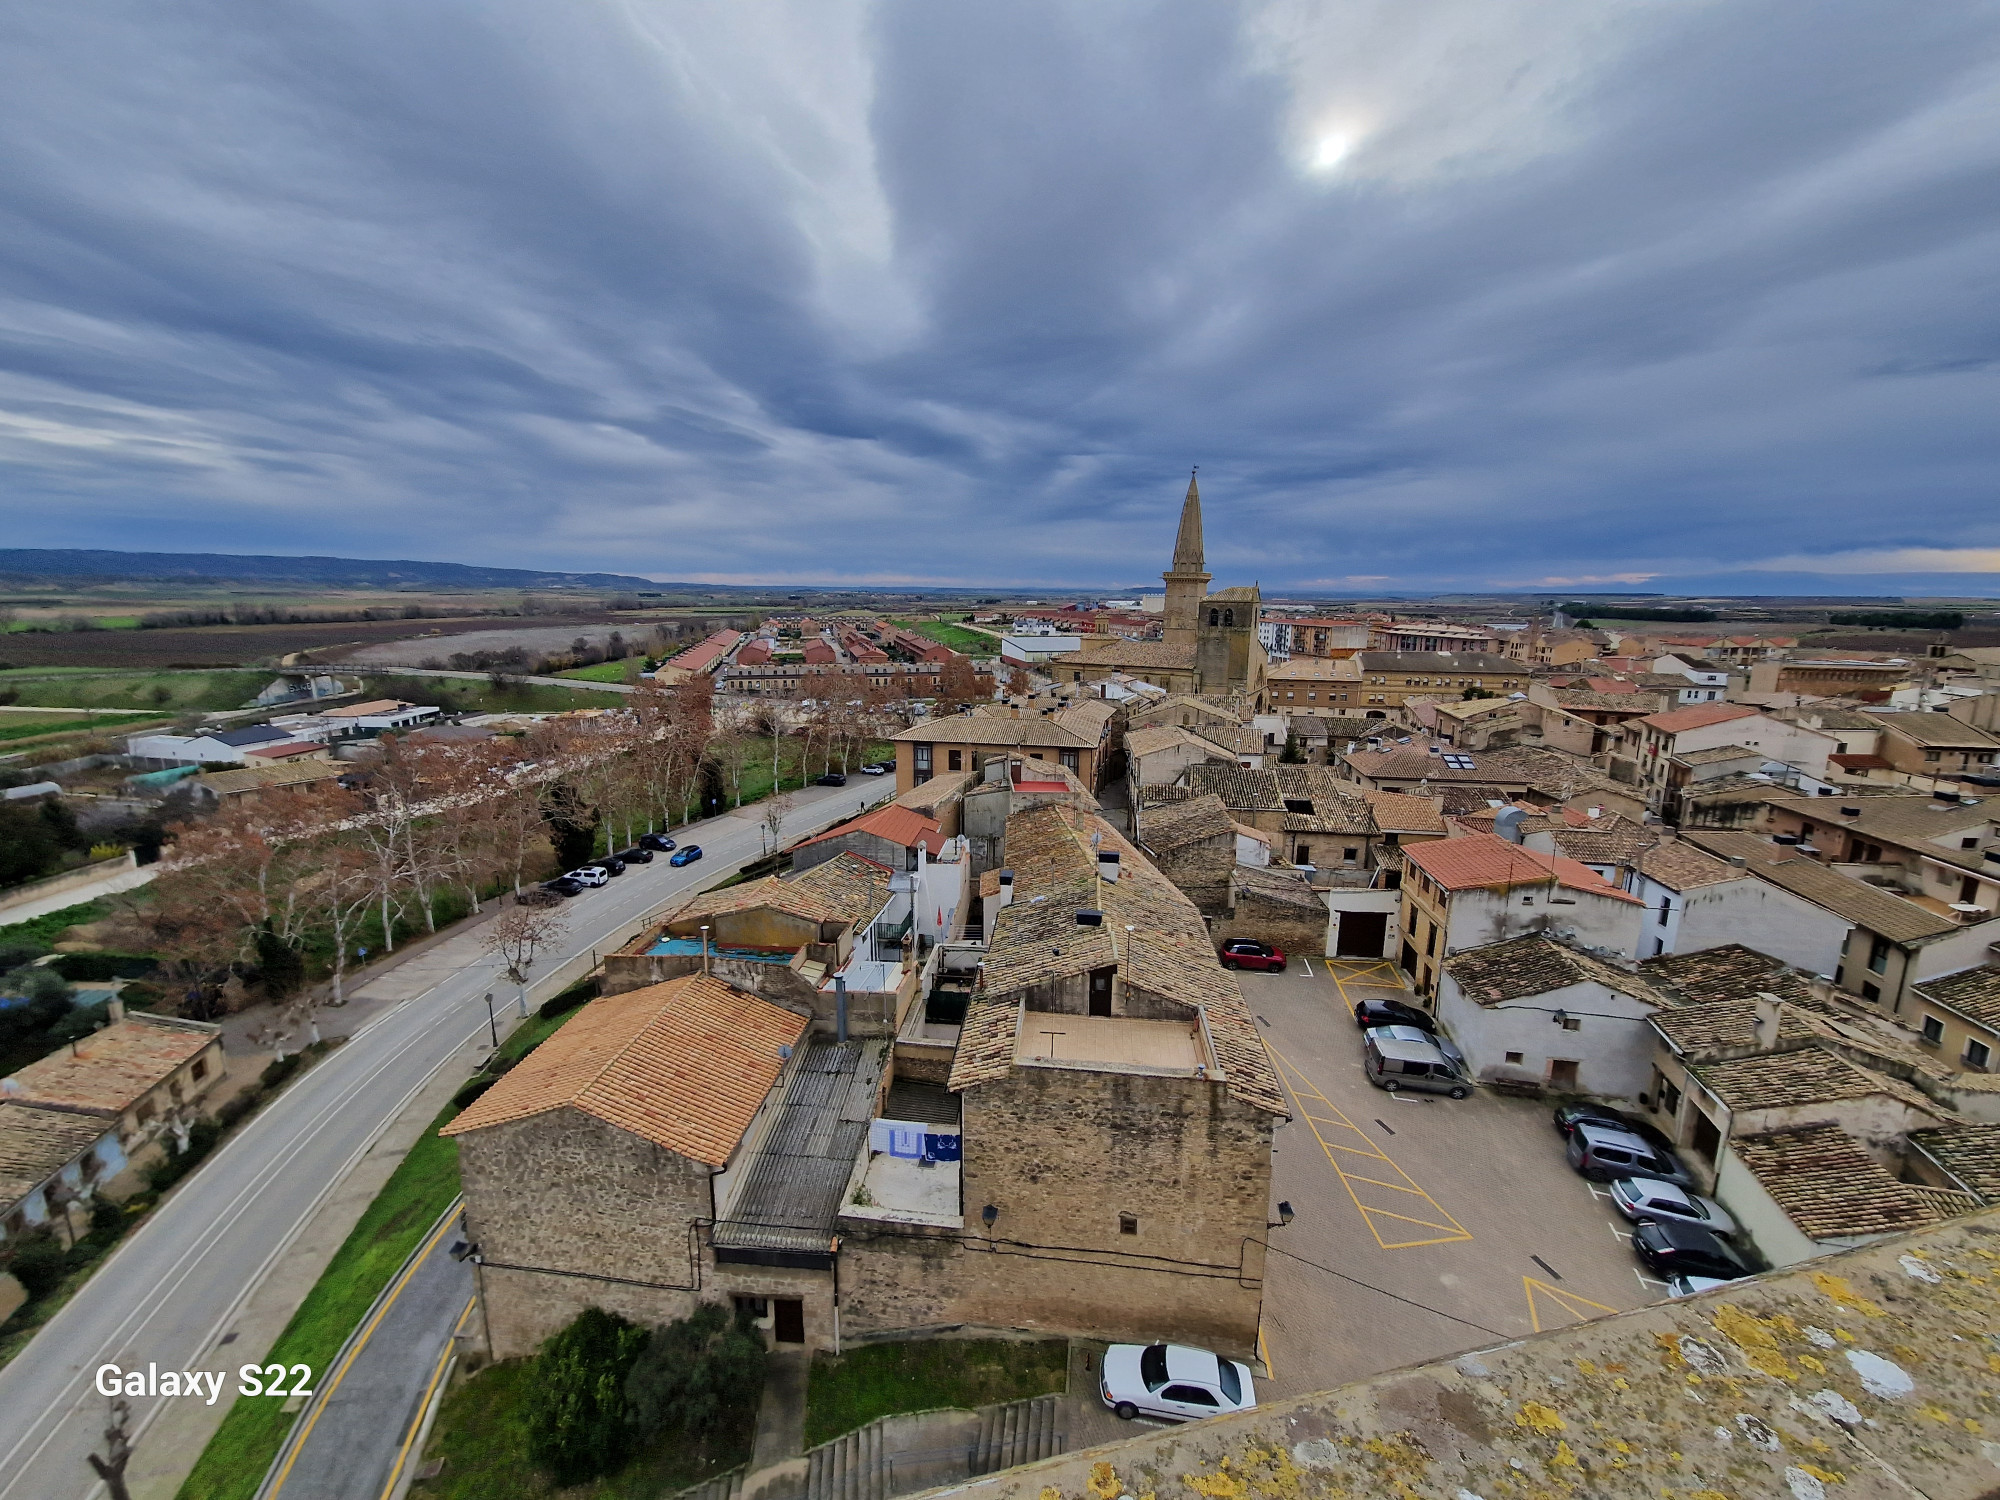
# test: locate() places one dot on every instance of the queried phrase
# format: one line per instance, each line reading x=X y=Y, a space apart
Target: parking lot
x=1425 y=1225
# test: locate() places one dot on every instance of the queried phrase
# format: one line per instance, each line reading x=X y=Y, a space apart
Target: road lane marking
x=1264 y=1352
x=1309 y=967
x=417 y=1418
x=1345 y=1135
x=1569 y=1302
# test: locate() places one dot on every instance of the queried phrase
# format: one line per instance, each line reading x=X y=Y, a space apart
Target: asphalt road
x=1426 y=1225
x=167 y=1295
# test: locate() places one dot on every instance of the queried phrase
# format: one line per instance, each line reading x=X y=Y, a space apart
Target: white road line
x=1309 y=966
x=1648 y=1281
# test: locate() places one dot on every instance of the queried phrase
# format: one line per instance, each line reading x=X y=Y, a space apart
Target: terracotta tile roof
x=1398 y=812
x=1333 y=728
x=1973 y=993
x=1416 y=763
x=990 y=729
x=1696 y=1030
x=1535 y=965
x=1778 y=1080
x=1181 y=823
x=985 y=1043
x=1136 y=656
x=1157 y=737
x=266 y=775
x=1628 y=701
x=1936 y=729
x=1336 y=804
x=1036 y=940
x=1089 y=717
x=1697 y=716
x=1282 y=886
x=685 y=1065
x=1970 y=1152
x=109 y=1071
x=928 y=796
x=1682 y=866
x=1828 y=1186
x=1240 y=790
x=1731 y=972
x=1480 y=861
x=847 y=888
x=35 y=1144
x=1613 y=845
x=1863 y=904
x=898 y=825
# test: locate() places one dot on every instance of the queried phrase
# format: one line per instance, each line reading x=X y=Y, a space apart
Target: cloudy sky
x=1630 y=293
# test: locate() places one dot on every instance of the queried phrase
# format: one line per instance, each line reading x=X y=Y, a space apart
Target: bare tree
x=776 y=806
x=517 y=936
x=117 y=1448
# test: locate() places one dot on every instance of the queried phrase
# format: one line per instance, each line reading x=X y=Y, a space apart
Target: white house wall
x=1480 y=917
x=1747 y=911
x=1612 y=1045
x=1389 y=903
x=1767 y=1226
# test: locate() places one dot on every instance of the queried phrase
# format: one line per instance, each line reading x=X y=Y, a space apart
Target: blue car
x=686 y=856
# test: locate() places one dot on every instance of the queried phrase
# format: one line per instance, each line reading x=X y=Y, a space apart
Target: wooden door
x=788 y=1320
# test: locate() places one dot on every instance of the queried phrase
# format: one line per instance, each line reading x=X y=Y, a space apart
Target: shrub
x=577 y=1427
x=699 y=1372
x=581 y=993
x=277 y=1072
x=281 y=966
x=472 y=1089
x=94 y=968
x=38 y=1265
x=202 y=1136
x=240 y=1106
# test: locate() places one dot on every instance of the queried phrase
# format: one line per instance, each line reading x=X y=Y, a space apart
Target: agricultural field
x=971 y=642
x=605 y=671
x=18 y=725
x=238 y=645
x=163 y=693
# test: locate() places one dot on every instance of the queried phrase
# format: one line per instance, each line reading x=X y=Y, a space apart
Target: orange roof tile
x=899 y=825
x=109 y=1071
x=685 y=1065
x=1482 y=860
x=1700 y=716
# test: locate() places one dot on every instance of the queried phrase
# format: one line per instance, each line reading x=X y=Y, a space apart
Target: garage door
x=1361 y=934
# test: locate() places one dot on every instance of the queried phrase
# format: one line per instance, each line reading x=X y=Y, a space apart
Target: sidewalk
x=111 y=885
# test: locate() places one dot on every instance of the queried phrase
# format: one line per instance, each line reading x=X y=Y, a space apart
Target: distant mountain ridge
x=37 y=562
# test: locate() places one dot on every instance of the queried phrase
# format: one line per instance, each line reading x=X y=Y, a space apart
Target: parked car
x=831 y=778
x=611 y=864
x=563 y=885
x=687 y=854
x=1688 y=1286
x=1438 y=1040
x=1604 y=1154
x=1567 y=1116
x=638 y=854
x=1248 y=953
x=1643 y=1198
x=882 y=765
x=873 y=770
x=1392 y=1013
x=1669 y=1248
x=1395 y=1065
x=1173 y=1381
x=589 y=875
x=657 y=841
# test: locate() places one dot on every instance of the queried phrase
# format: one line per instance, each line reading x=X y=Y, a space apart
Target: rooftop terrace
x=1118 y=1040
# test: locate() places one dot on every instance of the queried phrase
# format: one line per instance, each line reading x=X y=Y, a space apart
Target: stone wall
x=1061 y=1154
x=1292 y=926
x=1201 y=870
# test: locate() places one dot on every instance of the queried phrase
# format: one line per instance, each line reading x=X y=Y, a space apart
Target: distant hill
x=46 y=563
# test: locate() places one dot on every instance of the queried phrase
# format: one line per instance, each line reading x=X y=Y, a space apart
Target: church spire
x=1187 y=546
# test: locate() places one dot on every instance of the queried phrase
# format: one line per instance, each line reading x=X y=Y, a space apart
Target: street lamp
x=491 y=1026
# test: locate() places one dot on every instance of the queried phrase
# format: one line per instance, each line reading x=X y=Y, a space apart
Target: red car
x=1247 y=953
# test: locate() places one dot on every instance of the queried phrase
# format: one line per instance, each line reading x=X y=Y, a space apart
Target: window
x=954 y=760
x=1933 y=1030
x=1514 y=1057
x=1878 y=956
x=1572 y=1023
x=1305 y=854
x=1871 y=992
x=1666 y=911
x=1128 y=1223
x=1933 y=755
x=1153 y=1366
x=920 y=761
x=147 y=1112
x=1971 y=843
x=1670 y=1099
x=1349 y=854
x=200 y=1069
x=1431 y=942
x=1977 y=1054
x=1215 y=618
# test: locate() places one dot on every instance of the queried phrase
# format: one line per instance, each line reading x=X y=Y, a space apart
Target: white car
x=1688 y=1286
x=591 y=875
x=1174 y=1382
x=873 y=771
x=1641 y=1198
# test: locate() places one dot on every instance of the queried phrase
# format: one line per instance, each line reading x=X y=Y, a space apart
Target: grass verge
x=879 y=1380
x=603 y=671
x=481 y=1434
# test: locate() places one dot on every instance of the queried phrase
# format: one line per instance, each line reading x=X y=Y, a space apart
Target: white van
x=1393 y=1064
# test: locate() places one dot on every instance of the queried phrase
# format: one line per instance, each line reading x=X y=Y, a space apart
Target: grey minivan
x=1393 y=1064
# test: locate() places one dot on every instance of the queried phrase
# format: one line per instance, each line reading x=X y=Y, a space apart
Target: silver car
x=1438 y=1040
x=1642 y=1198
x=1174 y=1382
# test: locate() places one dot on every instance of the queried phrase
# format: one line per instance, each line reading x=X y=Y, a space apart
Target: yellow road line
x=355 y=1352
x=417 y=1421
x=1264 y=1352
x=1569 y=1302
x=1300 y=1088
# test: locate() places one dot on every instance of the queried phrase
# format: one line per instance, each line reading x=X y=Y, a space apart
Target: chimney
x=1850 y=812
x=1821 y=987
x=1770 y=1018
x=1739 y=861
x=1107 y=864
x=1089 y=918
x=115 y=1010
x=1006 y=897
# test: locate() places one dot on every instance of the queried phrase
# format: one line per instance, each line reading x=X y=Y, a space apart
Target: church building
x=1210 y=646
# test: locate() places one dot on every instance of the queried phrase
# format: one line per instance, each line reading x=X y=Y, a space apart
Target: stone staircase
x=727 y=1486
x=902 y=1454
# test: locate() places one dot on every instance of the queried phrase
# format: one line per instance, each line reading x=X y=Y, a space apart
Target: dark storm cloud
x=1458 y=295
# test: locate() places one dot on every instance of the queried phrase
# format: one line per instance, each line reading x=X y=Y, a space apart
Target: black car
x=1672 y=1249
x=831 y=778
x=562 y=885
x=639 y=854
x=1371 y=1013
x=1568 y=1116
x=657 y=841
x=611 y=864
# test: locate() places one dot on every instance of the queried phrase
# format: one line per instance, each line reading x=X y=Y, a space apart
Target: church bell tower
x=1186 y=580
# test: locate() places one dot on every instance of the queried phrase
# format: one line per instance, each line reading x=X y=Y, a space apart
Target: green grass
x=160 y=692
x=879 y=1380
x=233 y=1464
x=604 y=671
x=482 y=697
x=481 y=1434
x=31 y=726
x=46 y=929
x=970 y=642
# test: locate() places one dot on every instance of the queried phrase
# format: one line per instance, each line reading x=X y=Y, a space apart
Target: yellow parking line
x=1300 y=1088
x=417 y=1421
x=1569 y=1302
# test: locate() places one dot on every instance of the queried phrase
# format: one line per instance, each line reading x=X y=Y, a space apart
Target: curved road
x=167 y=1294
